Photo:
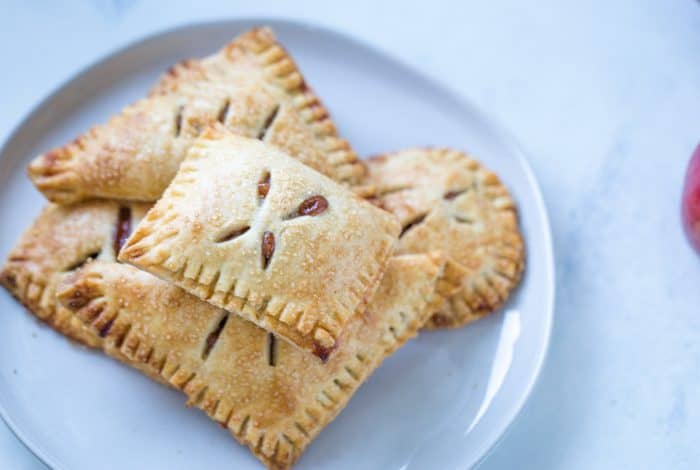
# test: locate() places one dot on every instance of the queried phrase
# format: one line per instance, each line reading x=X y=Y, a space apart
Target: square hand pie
x=271 y=396
x=448 y=201
x=252 y=87
x=60 y=241
x=253 y=231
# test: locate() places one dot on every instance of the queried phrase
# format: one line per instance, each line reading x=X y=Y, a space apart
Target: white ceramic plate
x=441 y=402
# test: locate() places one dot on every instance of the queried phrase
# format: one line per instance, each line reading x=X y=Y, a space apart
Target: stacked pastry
x=219 y=236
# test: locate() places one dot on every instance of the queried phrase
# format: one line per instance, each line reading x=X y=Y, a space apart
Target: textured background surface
x=606 y=99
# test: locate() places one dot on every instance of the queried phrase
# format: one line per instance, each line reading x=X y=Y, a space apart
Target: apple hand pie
x=254 y=231
x=61 y=240
x=252 y=87
x=447 y=201
x=271 y=396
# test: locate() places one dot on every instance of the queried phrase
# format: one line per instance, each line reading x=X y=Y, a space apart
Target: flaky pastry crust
x=252 y=87
x=248 y=229
x=60 y=241
x=447 y=201
x=271 y=396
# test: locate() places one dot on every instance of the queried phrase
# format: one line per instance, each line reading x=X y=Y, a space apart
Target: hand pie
x=60 y=241
x=251 y=86
x=273 y=397
x=253 y=231
x=447 y=201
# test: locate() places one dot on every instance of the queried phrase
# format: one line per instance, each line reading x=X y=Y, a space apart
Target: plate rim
x=493 y=124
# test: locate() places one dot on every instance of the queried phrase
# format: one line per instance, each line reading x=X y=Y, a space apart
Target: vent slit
x=268 y=122
x=311 y=206
x=81 y=262
x=314 y=205
x=271 y=350
x=122 y=229
x=267 y=248
x=392 y=190
x=230 y=235
x=453 y=194
x=224 y=112
x=415 y=221
x=264 y=185
x=178 y=121
x=213 y=336
x=463 y=220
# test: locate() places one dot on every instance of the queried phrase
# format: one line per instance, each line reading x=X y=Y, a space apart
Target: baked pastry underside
x=273 y=397
x=252 y=87
x=447 y=201
x=248 y=229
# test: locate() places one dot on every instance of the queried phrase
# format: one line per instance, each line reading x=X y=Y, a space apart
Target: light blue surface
x=606 y=100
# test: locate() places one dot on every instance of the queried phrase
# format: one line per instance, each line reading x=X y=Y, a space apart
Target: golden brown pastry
x=60 y=241
x=447 y=201
x=273 y=397
x=251 y=230
x=252 y=87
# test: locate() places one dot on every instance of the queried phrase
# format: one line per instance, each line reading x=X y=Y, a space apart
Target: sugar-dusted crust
x=447 y=201
x=59 y=241
x=251 y=86
x=218 y=234
x=273 y=397
x=62 y=240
